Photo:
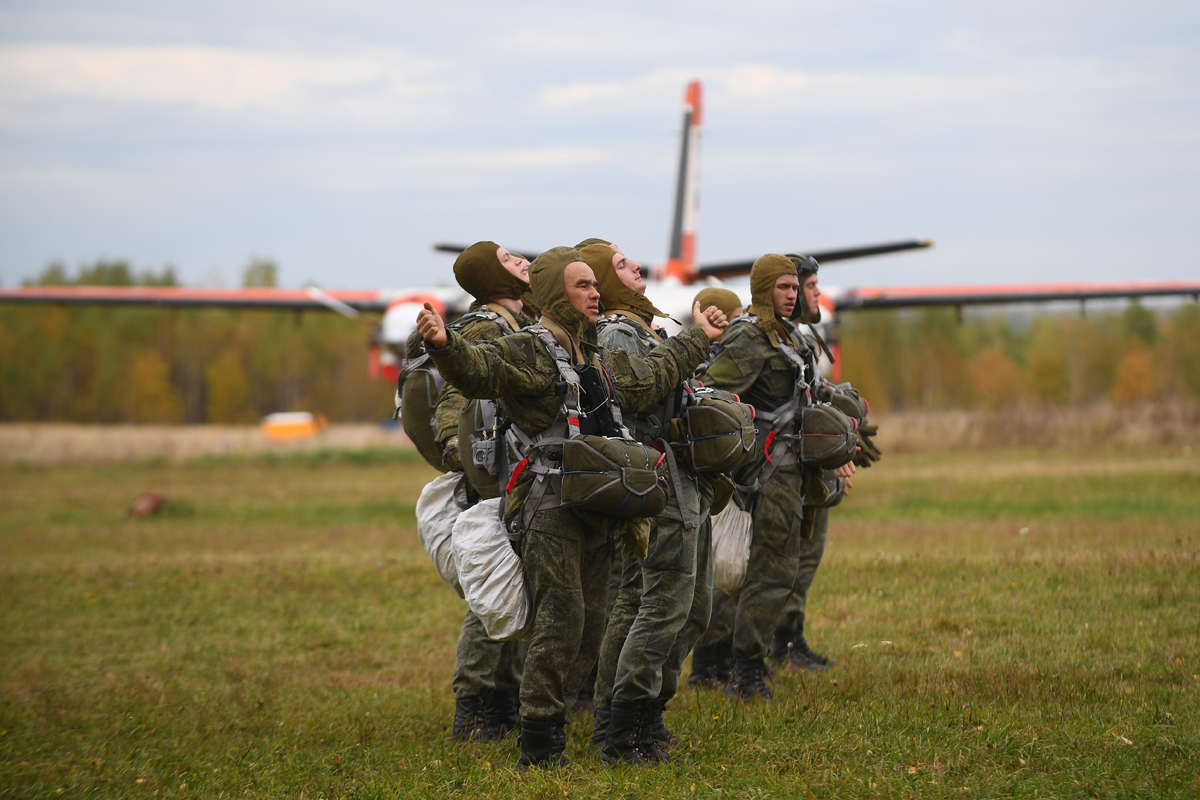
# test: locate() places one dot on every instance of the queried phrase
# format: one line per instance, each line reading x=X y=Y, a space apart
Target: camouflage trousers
x=811 y=551
x=662 y=606
x=483 y=665
x=567 y=561
x=725 y=613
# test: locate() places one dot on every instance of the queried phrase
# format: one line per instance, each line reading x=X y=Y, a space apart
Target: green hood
x=723 y=299
x=546 y=279
x=479 y=272
x=614 y=294
x=766 y=270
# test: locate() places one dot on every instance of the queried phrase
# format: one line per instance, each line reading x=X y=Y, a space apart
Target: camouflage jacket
x=745 y=363
x=450 y=402
x=615 y=332
x=520 y=371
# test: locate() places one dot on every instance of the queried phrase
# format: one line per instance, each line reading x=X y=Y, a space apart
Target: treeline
x=110 y=365
x=928 y=360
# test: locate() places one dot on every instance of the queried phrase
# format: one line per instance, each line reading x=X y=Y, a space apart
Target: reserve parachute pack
x=802 y=430
x=584 y=460
x=715 y=431
x=420 y=384
x=708 y=430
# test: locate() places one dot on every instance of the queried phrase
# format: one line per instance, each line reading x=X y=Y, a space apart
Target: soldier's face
x=515 y=264
x=811 y=293
x=582 y=289
x=629 y=271
x=783 y=295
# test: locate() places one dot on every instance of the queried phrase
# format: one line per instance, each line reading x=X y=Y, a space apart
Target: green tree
x=260 y=274
x=1138 y=323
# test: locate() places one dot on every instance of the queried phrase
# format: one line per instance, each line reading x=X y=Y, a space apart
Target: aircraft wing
x=281 y=299
x=916 y=296
x=732 y=269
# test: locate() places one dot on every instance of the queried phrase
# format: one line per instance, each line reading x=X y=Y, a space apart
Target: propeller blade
x=731 y=269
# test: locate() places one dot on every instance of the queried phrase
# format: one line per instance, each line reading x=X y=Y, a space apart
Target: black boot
x=560 y=740
x=623 y=745
x=704 y=667
x=778 y=654
x=468 y=719
x=655 y=729
x=537 y=743
x=724 y=663
x=804 y=656
x=501 y=714
x=600 y=729
x=749 y=680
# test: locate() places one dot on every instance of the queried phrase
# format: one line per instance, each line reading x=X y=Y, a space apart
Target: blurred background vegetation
x=112 y=365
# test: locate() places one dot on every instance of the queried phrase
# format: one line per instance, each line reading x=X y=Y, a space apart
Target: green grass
x=1008 y=623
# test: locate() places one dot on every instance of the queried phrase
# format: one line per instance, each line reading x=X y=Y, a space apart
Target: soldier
x=566 y=555
x=789 y=645
x=761 y=359
x=487 y=673
x=662 y=606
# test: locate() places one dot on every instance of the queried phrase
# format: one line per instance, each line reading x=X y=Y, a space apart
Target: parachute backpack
x=801 y=430
x=605 y=472
x=420 y=384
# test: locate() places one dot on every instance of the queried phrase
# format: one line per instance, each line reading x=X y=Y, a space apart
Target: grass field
x=1009 y=623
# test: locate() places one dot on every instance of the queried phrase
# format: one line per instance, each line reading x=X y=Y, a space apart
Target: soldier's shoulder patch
x=520 y=348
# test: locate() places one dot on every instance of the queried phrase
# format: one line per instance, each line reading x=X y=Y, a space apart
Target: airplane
x=673 y=284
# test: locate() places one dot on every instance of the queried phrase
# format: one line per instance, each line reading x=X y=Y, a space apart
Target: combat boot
x=778 y=654
x=623 y=745
x=655 y=729
x=749 y=680
x=724 y=663
x=560 y=741
x=804 y=656
x=501 y=714
x=704 y=667
x=600 y=728
x=468 y=719
x=537 y=743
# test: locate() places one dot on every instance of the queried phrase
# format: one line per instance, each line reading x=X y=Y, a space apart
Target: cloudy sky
x=1032 y=140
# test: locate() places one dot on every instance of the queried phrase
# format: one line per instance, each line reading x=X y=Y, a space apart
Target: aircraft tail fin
x=681 y=258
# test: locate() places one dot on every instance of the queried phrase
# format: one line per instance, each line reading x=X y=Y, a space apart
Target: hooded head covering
x=766 y=270
x=723 y=299
x=549 y=292
x=806 y=266
x=614 y=294
x=592 y=240
x=479 y=272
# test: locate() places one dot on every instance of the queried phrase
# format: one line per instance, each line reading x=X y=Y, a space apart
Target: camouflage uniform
x=810 y=558
x=748 y=365
x=566 y=555
x=658 y=613
x=481 y=665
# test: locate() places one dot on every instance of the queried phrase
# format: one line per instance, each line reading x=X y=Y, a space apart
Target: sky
x=1032 y=141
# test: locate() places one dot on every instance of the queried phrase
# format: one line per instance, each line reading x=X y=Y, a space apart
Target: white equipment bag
x=436 y=513
x=491 y=573
x=732 y=531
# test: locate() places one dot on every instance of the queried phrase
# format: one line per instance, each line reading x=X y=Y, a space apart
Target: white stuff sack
x=732 y=531
x=491 y=573
x=436 y=512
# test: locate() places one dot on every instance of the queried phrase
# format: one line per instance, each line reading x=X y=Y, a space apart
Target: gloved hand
x=868 y=453
x=450 y=459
